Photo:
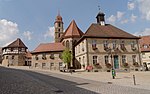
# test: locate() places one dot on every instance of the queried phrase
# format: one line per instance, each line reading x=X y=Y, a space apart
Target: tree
x=66 y=56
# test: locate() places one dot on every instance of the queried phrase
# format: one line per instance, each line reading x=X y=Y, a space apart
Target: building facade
x=105 y=46
x=48 y=56
x=145 y=49
x=14 y=54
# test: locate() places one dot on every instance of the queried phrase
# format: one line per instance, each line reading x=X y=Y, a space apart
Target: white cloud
x=8 y=31
x=50 y=32
x=133 y=18
x=131 y=5
x=143 y=33
x=28 y=35
x=144 y=7
x=120 y=14
x=124 y=21
x=112 y=19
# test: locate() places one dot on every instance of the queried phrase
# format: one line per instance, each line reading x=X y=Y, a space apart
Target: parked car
x=148 y=65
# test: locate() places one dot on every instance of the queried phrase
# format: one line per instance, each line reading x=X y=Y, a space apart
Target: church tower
x=58 y=28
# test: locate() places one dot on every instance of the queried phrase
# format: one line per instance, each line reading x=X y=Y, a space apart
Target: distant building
x=104 y=44
x=145 y=49
x=48 y=56
x=14 y=53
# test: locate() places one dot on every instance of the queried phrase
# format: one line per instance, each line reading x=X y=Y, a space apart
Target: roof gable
x=48 y=47
x=145 y=43
x=17 y=43
x=73 y=31
x=107 y=31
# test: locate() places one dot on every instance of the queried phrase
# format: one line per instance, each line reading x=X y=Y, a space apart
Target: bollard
x=134 y=79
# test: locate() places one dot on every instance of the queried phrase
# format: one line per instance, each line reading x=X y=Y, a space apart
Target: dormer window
x=44 y=56
x=94 y=45
x=145 y=46
x=52 y=56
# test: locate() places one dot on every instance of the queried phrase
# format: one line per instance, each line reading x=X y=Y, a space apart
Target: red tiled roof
x=48 y=47
x=145 y=41
x=107 y=31
x=17 y=43
x=28 y=55
x=72 y=31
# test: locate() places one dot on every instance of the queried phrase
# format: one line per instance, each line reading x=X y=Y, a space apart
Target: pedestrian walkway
x=142 y=78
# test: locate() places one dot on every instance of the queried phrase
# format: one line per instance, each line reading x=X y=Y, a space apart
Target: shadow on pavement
x=16 y=81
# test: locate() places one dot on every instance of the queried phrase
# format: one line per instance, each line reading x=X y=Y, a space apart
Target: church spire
x=100 y=17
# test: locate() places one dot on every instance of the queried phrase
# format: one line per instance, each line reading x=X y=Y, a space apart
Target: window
x=94 y=44
x=60 y=64
x=51 y=64
x=122 y=45
x=36 y=57
x=52 y=56
x=132 y=44
x=134 y=58
x=36 y=64
x=114 y=44
x=105 y=44
x=67 y=43
x=79 y=60
x=59 y=24
x=123 y=58
x=145 y=46
x=82 y=46
x=79 y=48
x=6 y=57
x=44 y=56
x=60 y=55
x=43 y=64
x=13 y=57
x=94 y=60
x=106 y=60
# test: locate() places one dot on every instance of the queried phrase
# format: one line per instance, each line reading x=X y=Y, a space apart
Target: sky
x=33 y=20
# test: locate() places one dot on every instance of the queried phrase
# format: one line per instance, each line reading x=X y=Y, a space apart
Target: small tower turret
x=100 y=18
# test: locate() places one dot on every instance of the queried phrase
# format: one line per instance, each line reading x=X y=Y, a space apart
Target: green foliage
x=66 y=56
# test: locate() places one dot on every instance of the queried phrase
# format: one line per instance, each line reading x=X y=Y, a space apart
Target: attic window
x=145 y=46
x=52 y=56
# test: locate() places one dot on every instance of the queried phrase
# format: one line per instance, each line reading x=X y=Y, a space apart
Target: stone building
x=14 y=53
x=145 y=49
x=48 y=56
x=106 y=46
x=69 y=39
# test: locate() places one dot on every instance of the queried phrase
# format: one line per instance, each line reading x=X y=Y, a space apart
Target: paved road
x=14 y=81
